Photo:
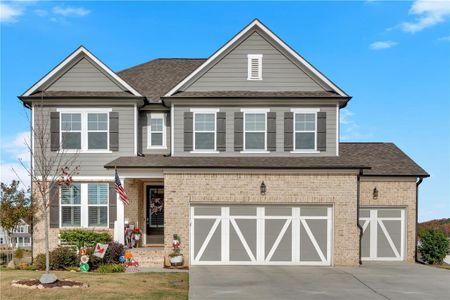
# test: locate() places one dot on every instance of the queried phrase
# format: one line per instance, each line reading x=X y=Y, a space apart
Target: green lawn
x=101 y=286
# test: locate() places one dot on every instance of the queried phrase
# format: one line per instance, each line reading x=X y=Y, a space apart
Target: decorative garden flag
x=100 y=250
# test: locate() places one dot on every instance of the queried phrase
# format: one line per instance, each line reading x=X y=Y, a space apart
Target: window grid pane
x=305 y=131
x=71 y=194
x=156 y=124
x=97 y=131
x=205 y=122
x=98 y=216
x=255 y=131
x=97 y=193
x=204 y=130
x=156 y=139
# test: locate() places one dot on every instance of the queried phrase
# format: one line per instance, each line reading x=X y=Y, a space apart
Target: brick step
x=149 y=257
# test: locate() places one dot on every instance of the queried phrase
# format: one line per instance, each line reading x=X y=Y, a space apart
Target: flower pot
x=137 y=236
x=176 y=260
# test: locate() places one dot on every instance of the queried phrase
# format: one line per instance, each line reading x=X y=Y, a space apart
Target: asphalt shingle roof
x=256 y=94
x=383 y=159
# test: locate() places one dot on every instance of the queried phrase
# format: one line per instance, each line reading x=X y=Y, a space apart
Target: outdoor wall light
x=375 y=194
x=262 y=188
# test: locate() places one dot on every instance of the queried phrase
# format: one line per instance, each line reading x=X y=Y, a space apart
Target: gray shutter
x=288 y=131
x=54 y=131
x=271 y=131
x=221 y=131
x=188 y=125
x=322 y=131
x=54 y=206
x=112 y=204
x=114 y=131
x=238 y=131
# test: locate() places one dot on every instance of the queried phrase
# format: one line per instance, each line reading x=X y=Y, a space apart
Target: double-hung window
x=98 y=204
x=84 y=205
x=156 y=131
x=71 y=206
x=305 y=130
x=255 y=130
x=204 y=130
x=84 y=130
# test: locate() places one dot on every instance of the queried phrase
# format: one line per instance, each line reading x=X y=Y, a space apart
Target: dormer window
x=254 y=66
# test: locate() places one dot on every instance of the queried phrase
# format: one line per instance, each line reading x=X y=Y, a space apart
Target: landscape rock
x=11 y=265
x=48 y=278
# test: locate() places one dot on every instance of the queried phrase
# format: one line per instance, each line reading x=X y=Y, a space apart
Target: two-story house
x=241 y=148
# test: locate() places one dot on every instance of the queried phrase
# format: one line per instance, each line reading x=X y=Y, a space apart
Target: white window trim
x=250 y=57
x=254 y=111
x=84 y=208
x=296 y=111
x=204 y=111
x=84 y=129
x=149 y=130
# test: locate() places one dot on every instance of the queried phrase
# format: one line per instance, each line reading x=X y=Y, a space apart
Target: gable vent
x=254 y=66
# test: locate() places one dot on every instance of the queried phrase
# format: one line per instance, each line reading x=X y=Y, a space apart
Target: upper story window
x=255 y=130
x=254 y=66
x=305 y=130
x=204 y=137
x=85 y=130
x=84 y=205
x=156 y=130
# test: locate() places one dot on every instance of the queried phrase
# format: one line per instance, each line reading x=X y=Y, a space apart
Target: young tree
x=15 y=205
x=49 y=168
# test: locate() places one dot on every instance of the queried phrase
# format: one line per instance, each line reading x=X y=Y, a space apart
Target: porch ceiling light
x=375 y=193
x=262 y=188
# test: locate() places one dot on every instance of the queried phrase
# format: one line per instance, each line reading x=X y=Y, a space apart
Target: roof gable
x=81 y=71
x=257 y=33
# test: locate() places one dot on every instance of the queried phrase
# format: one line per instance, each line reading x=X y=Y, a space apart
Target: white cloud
x=350 y=130
x=71 y=11
x=41 y=12
x=444 y=39
x=16 y=148
x=428 y=13
x=9 y=13
x=382 y=45
x=12 y=150
x=14 y=171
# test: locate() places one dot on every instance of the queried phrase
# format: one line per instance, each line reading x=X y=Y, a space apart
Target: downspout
x=357 y=213
x=417 y=217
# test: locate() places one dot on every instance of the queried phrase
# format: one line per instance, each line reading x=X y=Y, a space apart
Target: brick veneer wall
x=338 y=189
x=398 y=193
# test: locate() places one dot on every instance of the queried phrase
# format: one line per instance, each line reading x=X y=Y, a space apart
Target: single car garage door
x=383 y=233
x=261 y=235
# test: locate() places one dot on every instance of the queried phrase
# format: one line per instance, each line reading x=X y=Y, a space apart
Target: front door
x=155 y=215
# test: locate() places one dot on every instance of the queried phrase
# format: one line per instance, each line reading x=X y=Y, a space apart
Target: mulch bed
x=36 y=284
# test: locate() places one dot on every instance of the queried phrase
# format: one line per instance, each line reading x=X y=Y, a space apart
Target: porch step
x=149 y=256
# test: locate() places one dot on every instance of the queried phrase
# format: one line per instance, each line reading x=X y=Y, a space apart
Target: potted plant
x=176 y=258
x=137 y=234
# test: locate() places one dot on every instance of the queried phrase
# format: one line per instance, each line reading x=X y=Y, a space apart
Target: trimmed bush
x=60 y=259
x=114 y=251
x=19 y=253
x=433 y=246
x=111 y=268
x=84 y=238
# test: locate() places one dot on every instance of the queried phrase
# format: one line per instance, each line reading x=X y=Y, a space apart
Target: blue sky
x=392 y=57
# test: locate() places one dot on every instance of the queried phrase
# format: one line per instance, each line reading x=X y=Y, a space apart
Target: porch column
x=119 y=224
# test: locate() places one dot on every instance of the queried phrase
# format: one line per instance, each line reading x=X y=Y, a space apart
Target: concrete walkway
x=370 y=281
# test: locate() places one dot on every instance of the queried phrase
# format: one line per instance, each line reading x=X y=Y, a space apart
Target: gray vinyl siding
x=143 y=135
x=92 y=164
x=280 y=110
x=84 y=76
x=278 y=72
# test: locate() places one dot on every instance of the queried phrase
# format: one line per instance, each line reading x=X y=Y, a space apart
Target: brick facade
x=400 y=193
x=181 y=190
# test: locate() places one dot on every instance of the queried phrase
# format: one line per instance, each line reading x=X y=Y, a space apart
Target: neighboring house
x=242 y=147
x=20 y=237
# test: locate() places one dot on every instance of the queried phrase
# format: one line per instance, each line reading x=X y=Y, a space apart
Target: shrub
x=111 y=268
x=60 y=259
x=19 y=253
x=84 y=238
x=114 y=251
x=433 y=246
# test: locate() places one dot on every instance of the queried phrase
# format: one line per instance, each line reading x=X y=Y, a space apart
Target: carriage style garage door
x=383 y=233
x=261 y=235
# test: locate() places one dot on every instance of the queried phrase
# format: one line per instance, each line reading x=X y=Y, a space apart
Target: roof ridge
x=366 y=143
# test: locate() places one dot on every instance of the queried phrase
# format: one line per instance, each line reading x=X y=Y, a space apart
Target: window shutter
x=288 y=131
x=114 y=131
x=271 y=131
x=54 y=206
x=238 y=131
x=188 y=125
x=54 y=131
x=112 y=204
x=322 y=131
x=221 y=131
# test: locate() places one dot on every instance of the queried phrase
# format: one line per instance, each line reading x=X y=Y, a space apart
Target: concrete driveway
x=370 y=281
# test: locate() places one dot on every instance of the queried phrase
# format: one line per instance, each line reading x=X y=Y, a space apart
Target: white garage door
x=260 y=235
x=383 y=233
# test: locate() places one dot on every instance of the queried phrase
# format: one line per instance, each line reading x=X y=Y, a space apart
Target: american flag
x=120 y=190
